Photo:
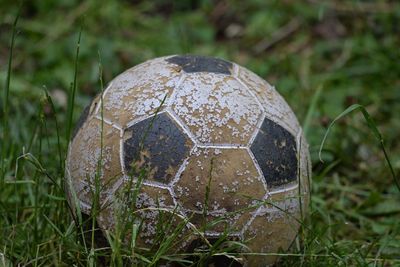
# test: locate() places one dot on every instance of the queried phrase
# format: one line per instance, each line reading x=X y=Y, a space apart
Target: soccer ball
x=200 y=138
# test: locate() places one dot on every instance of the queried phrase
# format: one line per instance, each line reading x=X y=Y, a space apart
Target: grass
x=348 y=48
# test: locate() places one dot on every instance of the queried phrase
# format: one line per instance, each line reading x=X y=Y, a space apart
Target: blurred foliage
x=351 y=48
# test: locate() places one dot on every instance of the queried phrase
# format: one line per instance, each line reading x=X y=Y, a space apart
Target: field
x=322 y=56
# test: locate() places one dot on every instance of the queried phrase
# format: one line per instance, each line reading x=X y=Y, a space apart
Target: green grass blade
x=6 y=99
x=71 y=97
x=53 y=225
x=53 y=109
x=372 y=126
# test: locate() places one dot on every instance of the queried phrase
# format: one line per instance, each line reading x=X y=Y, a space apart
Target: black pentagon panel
x=156 y=145
x=191 y=63
x=275 y=151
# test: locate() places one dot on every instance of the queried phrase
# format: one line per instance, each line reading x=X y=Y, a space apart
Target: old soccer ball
x=206 y=140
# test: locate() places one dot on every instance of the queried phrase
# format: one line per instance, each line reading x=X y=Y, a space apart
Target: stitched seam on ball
x=255 y=214
x=257 y=130
x=181 y=124
x=271 y=116
x=108 y=122
x=255 y=162
x=175 y=90
x=283 y=190
x=221 y=146
x=249 y=91
x=142 y=118
x=181 y=170
x=102 y=97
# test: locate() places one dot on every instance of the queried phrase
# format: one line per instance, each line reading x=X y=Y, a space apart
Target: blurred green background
x=349 y=48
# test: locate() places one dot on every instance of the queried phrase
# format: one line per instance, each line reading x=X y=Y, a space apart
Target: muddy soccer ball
x=200 y=141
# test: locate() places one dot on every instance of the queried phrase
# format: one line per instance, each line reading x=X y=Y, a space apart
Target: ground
x=321 y=56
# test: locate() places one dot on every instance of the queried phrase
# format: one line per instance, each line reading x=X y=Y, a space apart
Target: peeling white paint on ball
x=216 y=108
x=271 y=101
x=139 y=91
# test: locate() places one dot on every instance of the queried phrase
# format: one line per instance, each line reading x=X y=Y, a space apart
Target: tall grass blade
x=53 y=109
x=6 y=99
x=372 y=126
x=71 y=96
